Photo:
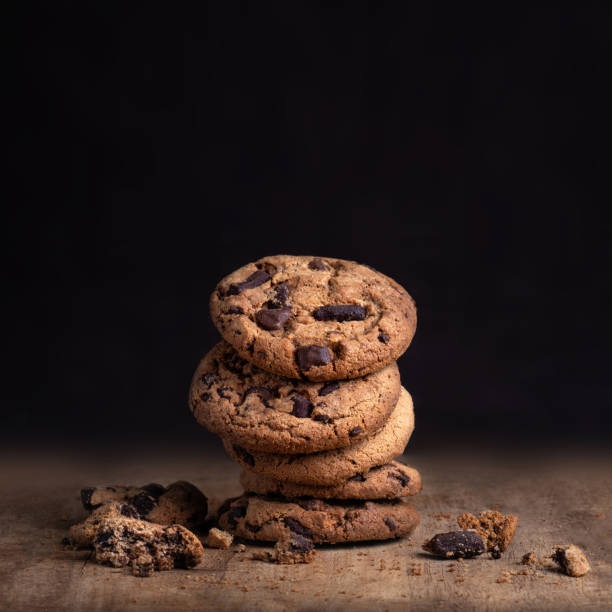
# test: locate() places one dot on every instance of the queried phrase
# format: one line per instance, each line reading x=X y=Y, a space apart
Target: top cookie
x=314 y=318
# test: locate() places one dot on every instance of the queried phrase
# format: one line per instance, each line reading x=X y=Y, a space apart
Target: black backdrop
x=458 y=151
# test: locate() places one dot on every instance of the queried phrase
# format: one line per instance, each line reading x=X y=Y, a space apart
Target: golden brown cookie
x=312 y=317
x=265 y=412
x=271 y=519
x=331 y=468
x=385 y=482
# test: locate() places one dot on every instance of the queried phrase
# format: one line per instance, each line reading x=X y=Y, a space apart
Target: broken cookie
x=571 y=560
x=455 y=544
x=121 y=540
x=82 y=535
x=217 y=538
x=495 y=528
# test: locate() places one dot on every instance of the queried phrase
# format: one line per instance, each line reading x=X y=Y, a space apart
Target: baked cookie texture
x=331 y=468
x=180 y=503
x=385 y=482
x=120 y=541
x=314 y=318
x=271 y=519
x=496 y=529
x=82 y=534
x=265 y=412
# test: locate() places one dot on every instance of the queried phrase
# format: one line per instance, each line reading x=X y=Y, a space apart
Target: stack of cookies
x=306 y=395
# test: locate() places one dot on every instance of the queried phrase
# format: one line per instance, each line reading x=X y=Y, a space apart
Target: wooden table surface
x=561 y=498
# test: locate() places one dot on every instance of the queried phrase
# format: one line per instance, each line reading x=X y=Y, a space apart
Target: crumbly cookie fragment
x=82 y=534
x=218 y=538
x=388 y=481
x=571 y=559
x=495 y=528
x=331 y=468
x=180 y=503
x=120 y=540
x=528 y=559
x=271 y=519
x=312 y=317
x=268 y=413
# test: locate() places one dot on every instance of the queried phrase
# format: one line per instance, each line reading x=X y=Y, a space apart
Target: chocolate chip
x=208 y=379
x=404 y=480
x=254 y=280
x=270 y=268
x=272 y=318
x=129 y=511
x=342 y=312
x=86 y=499
x=317 y=264
x=252 y=528
x=323 y=418
x=244 y=456
x=154 y=489
x=390 y=523
x=281 y=296
x=355 y=431
x=300 y=544
x=328 y=388
x=234 y=310
x=262 y=392
x=312 y=355
x=297 y=527
x=143 y=503
x=455 y=544
x=205 y=396
x=236 y=512
x=173 y=537
x=223 y=392
x=103 y=537
x=383 y=337
x=301 y=406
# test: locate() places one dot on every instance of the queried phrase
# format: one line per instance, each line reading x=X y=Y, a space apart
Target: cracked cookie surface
x=318 y=318
x=271 y=519
x=265 y=412
x=332 y=467
x=388 y=481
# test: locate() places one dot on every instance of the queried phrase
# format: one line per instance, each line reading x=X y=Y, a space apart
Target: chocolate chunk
x=236 y=512
x=143 y=503
x=455 y=544
x=383 y=337
x=301 y=406
x=223 y=392
x=252 y=528
x=254 y=280
x=103 y=537
x=244 y=456
x=297 y=527
x=281 y=296
x=317 y=264
x=390 y=523
x=129 y=510
x=86 y=498
x=208 y=379
x=312 y=355
x=404 y=480
x=323 y=418
x=343 y=312
x=273 y=318
x=300 y=544
x=262 y=392
x=355 y=431
x=205 y=396
x=234 y=310
x=328 y=388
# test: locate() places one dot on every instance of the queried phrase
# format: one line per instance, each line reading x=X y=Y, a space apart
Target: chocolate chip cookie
x=271 y=519
x=264 y=412
x=120 y=541
x=332 y=467
x=181 y=502
x=314 y=318
x=82 y=534
x=385 y=482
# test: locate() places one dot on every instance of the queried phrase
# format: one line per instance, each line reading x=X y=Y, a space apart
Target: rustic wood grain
x=561 y=498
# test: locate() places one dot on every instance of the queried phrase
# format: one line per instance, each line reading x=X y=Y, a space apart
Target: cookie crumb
x=495 y=528
x=217 y=538
x=571 y=560
x=241 y=548
x=528 y=559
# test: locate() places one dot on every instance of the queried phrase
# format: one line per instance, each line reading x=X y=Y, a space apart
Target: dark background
x=456 y=150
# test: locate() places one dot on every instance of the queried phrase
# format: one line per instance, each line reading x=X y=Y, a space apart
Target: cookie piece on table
x=455 y=544
x=219 y=539
x=333 y=467
x=385 y=482
x=495 y=528
x=312 y=317
x=119 y=541
x=571 y=560
x=293 y=548
x=270 y=519
x=180 y=503
x=82 y=535
x=264 y=412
